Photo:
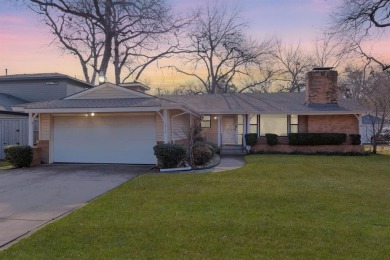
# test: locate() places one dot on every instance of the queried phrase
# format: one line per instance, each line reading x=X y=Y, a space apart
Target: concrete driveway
x=32 y=197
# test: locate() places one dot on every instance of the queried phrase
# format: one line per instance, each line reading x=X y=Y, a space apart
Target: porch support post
x=219 y=137
x=165 y=125
x=31 y=118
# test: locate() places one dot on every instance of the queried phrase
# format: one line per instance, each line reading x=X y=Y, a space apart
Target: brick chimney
x=321 y=86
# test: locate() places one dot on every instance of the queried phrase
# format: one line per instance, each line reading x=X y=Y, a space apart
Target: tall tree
x=128 y=34
x=355 y=21
x=370 y=86
x=292 y=64
x=219 y=50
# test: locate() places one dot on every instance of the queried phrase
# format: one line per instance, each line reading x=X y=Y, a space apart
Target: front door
x=229 y=129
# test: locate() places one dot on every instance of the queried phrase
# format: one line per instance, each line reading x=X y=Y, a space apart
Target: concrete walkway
x=32 y=197
x=227 y=163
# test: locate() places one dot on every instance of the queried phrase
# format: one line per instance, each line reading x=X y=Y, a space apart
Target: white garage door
x=104 y=139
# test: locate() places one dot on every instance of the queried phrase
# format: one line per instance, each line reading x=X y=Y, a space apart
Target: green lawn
x=4 y=165
x=276 y=207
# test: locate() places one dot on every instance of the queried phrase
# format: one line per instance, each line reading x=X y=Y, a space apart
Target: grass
x=275 y=207
x=381 y=149
x=4 y=165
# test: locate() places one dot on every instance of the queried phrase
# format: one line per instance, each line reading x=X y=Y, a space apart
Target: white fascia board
x=181 y=107
x=90 y=110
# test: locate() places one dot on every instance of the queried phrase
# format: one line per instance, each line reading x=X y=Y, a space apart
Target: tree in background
x=218 y=49
x=292 y=63
x=358 y=21
x=130 y=35
x=371 y=87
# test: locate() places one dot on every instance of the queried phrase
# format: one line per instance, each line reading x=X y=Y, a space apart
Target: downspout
x=31 y=118
x=173 y=140
x=164 y=118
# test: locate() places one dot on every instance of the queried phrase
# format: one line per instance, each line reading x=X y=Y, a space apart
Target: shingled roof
x=266 y=103
x=234 y=103
x=42 y=76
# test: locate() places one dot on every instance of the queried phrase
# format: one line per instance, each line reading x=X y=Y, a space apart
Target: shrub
x=214 y=147
x=316 y=138
x=170 y=155
x=19 y=155
x=355 y=139
x=272 y=139
x=251 y=139
x=202 y=153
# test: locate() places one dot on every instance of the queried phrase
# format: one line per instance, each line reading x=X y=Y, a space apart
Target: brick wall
x=302 y=124
x=43 y=145
x=348 y=124
x=36 y=156
x=345 y=148
x=321 y=87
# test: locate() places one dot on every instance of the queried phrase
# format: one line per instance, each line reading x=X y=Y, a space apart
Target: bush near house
x=202 y=152
x=316 y=138
x=272 y=139
x=19 y=155
x=170 y=155
x=215 y=147
x=355 y=139
x=251 y=139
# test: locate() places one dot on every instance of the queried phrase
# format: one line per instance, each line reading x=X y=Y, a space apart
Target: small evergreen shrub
x=202 y=153
x=251 y=139
x=355 y=139
x=19 y=155
x=272 y=139
x=214 y=147
x=170 y=155
x=316 y=138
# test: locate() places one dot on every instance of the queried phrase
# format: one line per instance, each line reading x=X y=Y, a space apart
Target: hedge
x=272 y=139
x=355 y=139
x=251 y=139
x=170 y=155
x=316 y=138
x=19 y=155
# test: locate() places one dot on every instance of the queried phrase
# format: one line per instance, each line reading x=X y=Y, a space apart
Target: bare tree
x=219 y=47
x=355 y=21
x=328 y=51
x=371 y=87
x=130 y=34
x=292 y=64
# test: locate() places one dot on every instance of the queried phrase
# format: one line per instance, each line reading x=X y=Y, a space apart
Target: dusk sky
x=24 y=40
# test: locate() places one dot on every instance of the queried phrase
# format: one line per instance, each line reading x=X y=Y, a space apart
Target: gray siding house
x=26 y=88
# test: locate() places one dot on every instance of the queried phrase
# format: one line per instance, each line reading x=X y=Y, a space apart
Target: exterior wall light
x=102 y=77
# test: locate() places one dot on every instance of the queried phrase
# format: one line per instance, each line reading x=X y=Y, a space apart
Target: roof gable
x=108 y=91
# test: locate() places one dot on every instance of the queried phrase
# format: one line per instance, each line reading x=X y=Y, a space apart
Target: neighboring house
x=26 y=88
x=366 y=127
x=114 y=124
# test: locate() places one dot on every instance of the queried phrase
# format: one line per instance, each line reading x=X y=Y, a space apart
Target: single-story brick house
x=115 y=124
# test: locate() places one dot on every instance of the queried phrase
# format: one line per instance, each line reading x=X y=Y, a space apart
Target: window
x=206 y=121
x=294 y=124
x=253 y=124
x=240 y=128
x=273 y=124
x=36 y=131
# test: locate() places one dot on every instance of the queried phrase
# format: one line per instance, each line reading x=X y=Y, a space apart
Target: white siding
x=44 y=127
x=12 y=131
x=176 y=131
x=180 y=126
x=107 y=93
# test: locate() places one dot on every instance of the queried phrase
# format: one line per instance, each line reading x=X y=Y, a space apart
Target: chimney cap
x=323 y=68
